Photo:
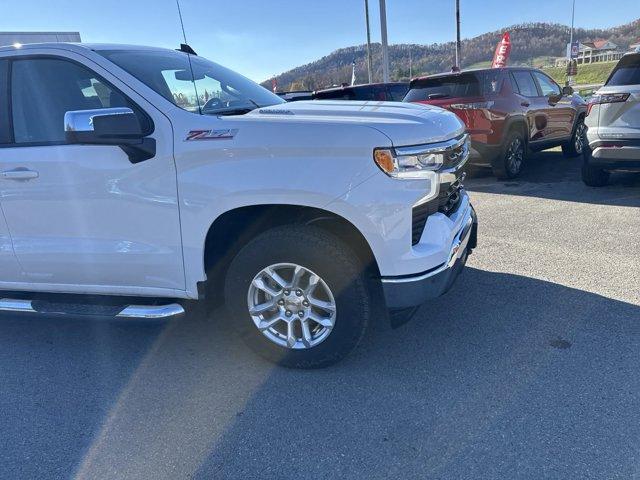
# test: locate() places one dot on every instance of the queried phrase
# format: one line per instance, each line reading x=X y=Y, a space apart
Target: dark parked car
x=508 y=112
x=390 y=92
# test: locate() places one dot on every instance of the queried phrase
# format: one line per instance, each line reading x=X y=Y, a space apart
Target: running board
x=117 y=311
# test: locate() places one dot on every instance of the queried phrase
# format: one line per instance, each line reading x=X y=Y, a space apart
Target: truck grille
x=458 y=155
x=447 y=202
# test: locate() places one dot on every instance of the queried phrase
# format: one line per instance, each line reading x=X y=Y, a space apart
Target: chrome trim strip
x=432 y=147
x=151 y=311
x=456 y=251
x=16 y=305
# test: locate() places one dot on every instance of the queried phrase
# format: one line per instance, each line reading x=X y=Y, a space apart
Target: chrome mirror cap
x=82 y=120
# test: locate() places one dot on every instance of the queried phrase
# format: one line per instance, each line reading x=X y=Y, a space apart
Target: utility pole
x=458 y=54
x=385 y=45
x=369 y=66
x=410 y=64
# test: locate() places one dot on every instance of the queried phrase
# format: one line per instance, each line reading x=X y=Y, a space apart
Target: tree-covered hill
x=532 y=44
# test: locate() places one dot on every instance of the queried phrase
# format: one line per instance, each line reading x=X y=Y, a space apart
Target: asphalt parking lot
x=528 y=368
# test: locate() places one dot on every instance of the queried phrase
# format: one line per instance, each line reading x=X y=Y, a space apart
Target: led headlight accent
x=421 y=161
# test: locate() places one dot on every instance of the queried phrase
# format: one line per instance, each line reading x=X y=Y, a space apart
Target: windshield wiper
x=229 y=111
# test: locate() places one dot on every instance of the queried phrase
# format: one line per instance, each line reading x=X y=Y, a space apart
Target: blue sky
x=260 y=38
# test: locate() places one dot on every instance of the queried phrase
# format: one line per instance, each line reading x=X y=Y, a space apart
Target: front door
x=558 y=108
x=84 y=218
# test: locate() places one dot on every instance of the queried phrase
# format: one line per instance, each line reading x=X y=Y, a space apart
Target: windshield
x=215 y=91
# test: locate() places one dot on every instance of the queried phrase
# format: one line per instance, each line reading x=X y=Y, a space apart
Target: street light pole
x=385 y=45
x=369 y=67
x=573 y=16
x=570 y=65
x=458 y=34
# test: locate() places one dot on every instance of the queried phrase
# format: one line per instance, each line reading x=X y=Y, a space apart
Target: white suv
x=141 y=177
x=613 y=124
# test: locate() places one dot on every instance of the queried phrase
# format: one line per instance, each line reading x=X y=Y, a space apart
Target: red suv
x=508 y=113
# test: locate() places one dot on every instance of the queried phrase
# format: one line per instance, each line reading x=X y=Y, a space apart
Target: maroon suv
x=508 y=112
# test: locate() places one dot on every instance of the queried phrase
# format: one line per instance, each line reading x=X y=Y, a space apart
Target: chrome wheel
x=291 y=305
x=579 y=137
x=515 y=154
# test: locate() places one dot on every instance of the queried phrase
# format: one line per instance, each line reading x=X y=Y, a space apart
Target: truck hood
x=402 y=123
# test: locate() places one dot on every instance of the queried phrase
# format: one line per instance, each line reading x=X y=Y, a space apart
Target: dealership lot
x=529 y=370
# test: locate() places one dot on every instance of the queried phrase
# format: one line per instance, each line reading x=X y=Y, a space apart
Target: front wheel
x=298 y=296
x=575 y=147
x=510 y=163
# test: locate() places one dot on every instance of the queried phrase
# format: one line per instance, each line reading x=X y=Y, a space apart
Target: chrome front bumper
x=412 y=290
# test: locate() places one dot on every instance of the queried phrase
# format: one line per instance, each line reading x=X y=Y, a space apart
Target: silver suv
x=613 y=124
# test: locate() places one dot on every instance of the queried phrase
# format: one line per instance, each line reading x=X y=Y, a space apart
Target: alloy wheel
x=515 y=154
x=292 y=306
x=579 y=137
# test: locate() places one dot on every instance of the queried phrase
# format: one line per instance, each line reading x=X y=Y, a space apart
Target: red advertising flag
x=503 y=50
x=274 y=85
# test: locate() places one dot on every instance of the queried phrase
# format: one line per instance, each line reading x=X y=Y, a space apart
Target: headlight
x=421 y=161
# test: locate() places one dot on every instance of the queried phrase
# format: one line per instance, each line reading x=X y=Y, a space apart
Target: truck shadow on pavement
x=551 y=176
x=504 y=377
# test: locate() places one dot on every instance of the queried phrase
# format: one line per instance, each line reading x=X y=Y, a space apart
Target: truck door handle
x=525 y=104
x=20 y=174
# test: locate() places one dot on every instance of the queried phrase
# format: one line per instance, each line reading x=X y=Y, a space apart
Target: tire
x=593 y=176
x=289 y=249
x=578 y=141
x=509 y=164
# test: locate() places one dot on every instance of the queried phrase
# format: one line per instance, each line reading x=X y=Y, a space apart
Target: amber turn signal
x=384 y=160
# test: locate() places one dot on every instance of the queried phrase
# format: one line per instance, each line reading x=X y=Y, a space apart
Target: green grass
x=587 y=74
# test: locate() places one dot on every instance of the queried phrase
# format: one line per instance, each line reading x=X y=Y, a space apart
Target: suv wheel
x=576 y=146
x=298 y=296
x=509 y=164
x=593 y=176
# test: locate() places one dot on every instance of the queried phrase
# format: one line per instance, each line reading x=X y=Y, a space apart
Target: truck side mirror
x=109 y=126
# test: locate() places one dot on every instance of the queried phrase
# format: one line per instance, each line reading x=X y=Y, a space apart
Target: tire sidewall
x=326 y=256
x=503 y=170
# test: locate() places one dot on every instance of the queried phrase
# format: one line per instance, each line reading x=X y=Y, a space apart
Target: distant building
x=593 y=52
x=11 y=38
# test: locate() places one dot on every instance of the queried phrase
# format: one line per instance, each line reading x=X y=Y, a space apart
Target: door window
x=547 y=86
x=44 y=89
x=526 y=85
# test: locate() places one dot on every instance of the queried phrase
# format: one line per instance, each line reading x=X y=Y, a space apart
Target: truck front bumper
x=409 y=291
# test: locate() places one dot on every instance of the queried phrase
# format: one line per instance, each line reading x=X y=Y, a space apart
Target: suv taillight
x=606 y=98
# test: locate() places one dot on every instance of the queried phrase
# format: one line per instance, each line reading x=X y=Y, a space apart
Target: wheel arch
x=517 y=123
x=230 y=231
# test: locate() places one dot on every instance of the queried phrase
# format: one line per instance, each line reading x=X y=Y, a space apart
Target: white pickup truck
x=134 y=179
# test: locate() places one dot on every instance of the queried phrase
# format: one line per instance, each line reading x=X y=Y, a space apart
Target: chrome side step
x=88 y=309
x=151 y=311
x=16 y=305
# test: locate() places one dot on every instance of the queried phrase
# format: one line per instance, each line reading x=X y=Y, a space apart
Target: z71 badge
x=225 y=134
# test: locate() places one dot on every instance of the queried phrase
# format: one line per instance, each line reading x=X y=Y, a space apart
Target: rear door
x=535 y=107
x=560 y=111
x=620 y=116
